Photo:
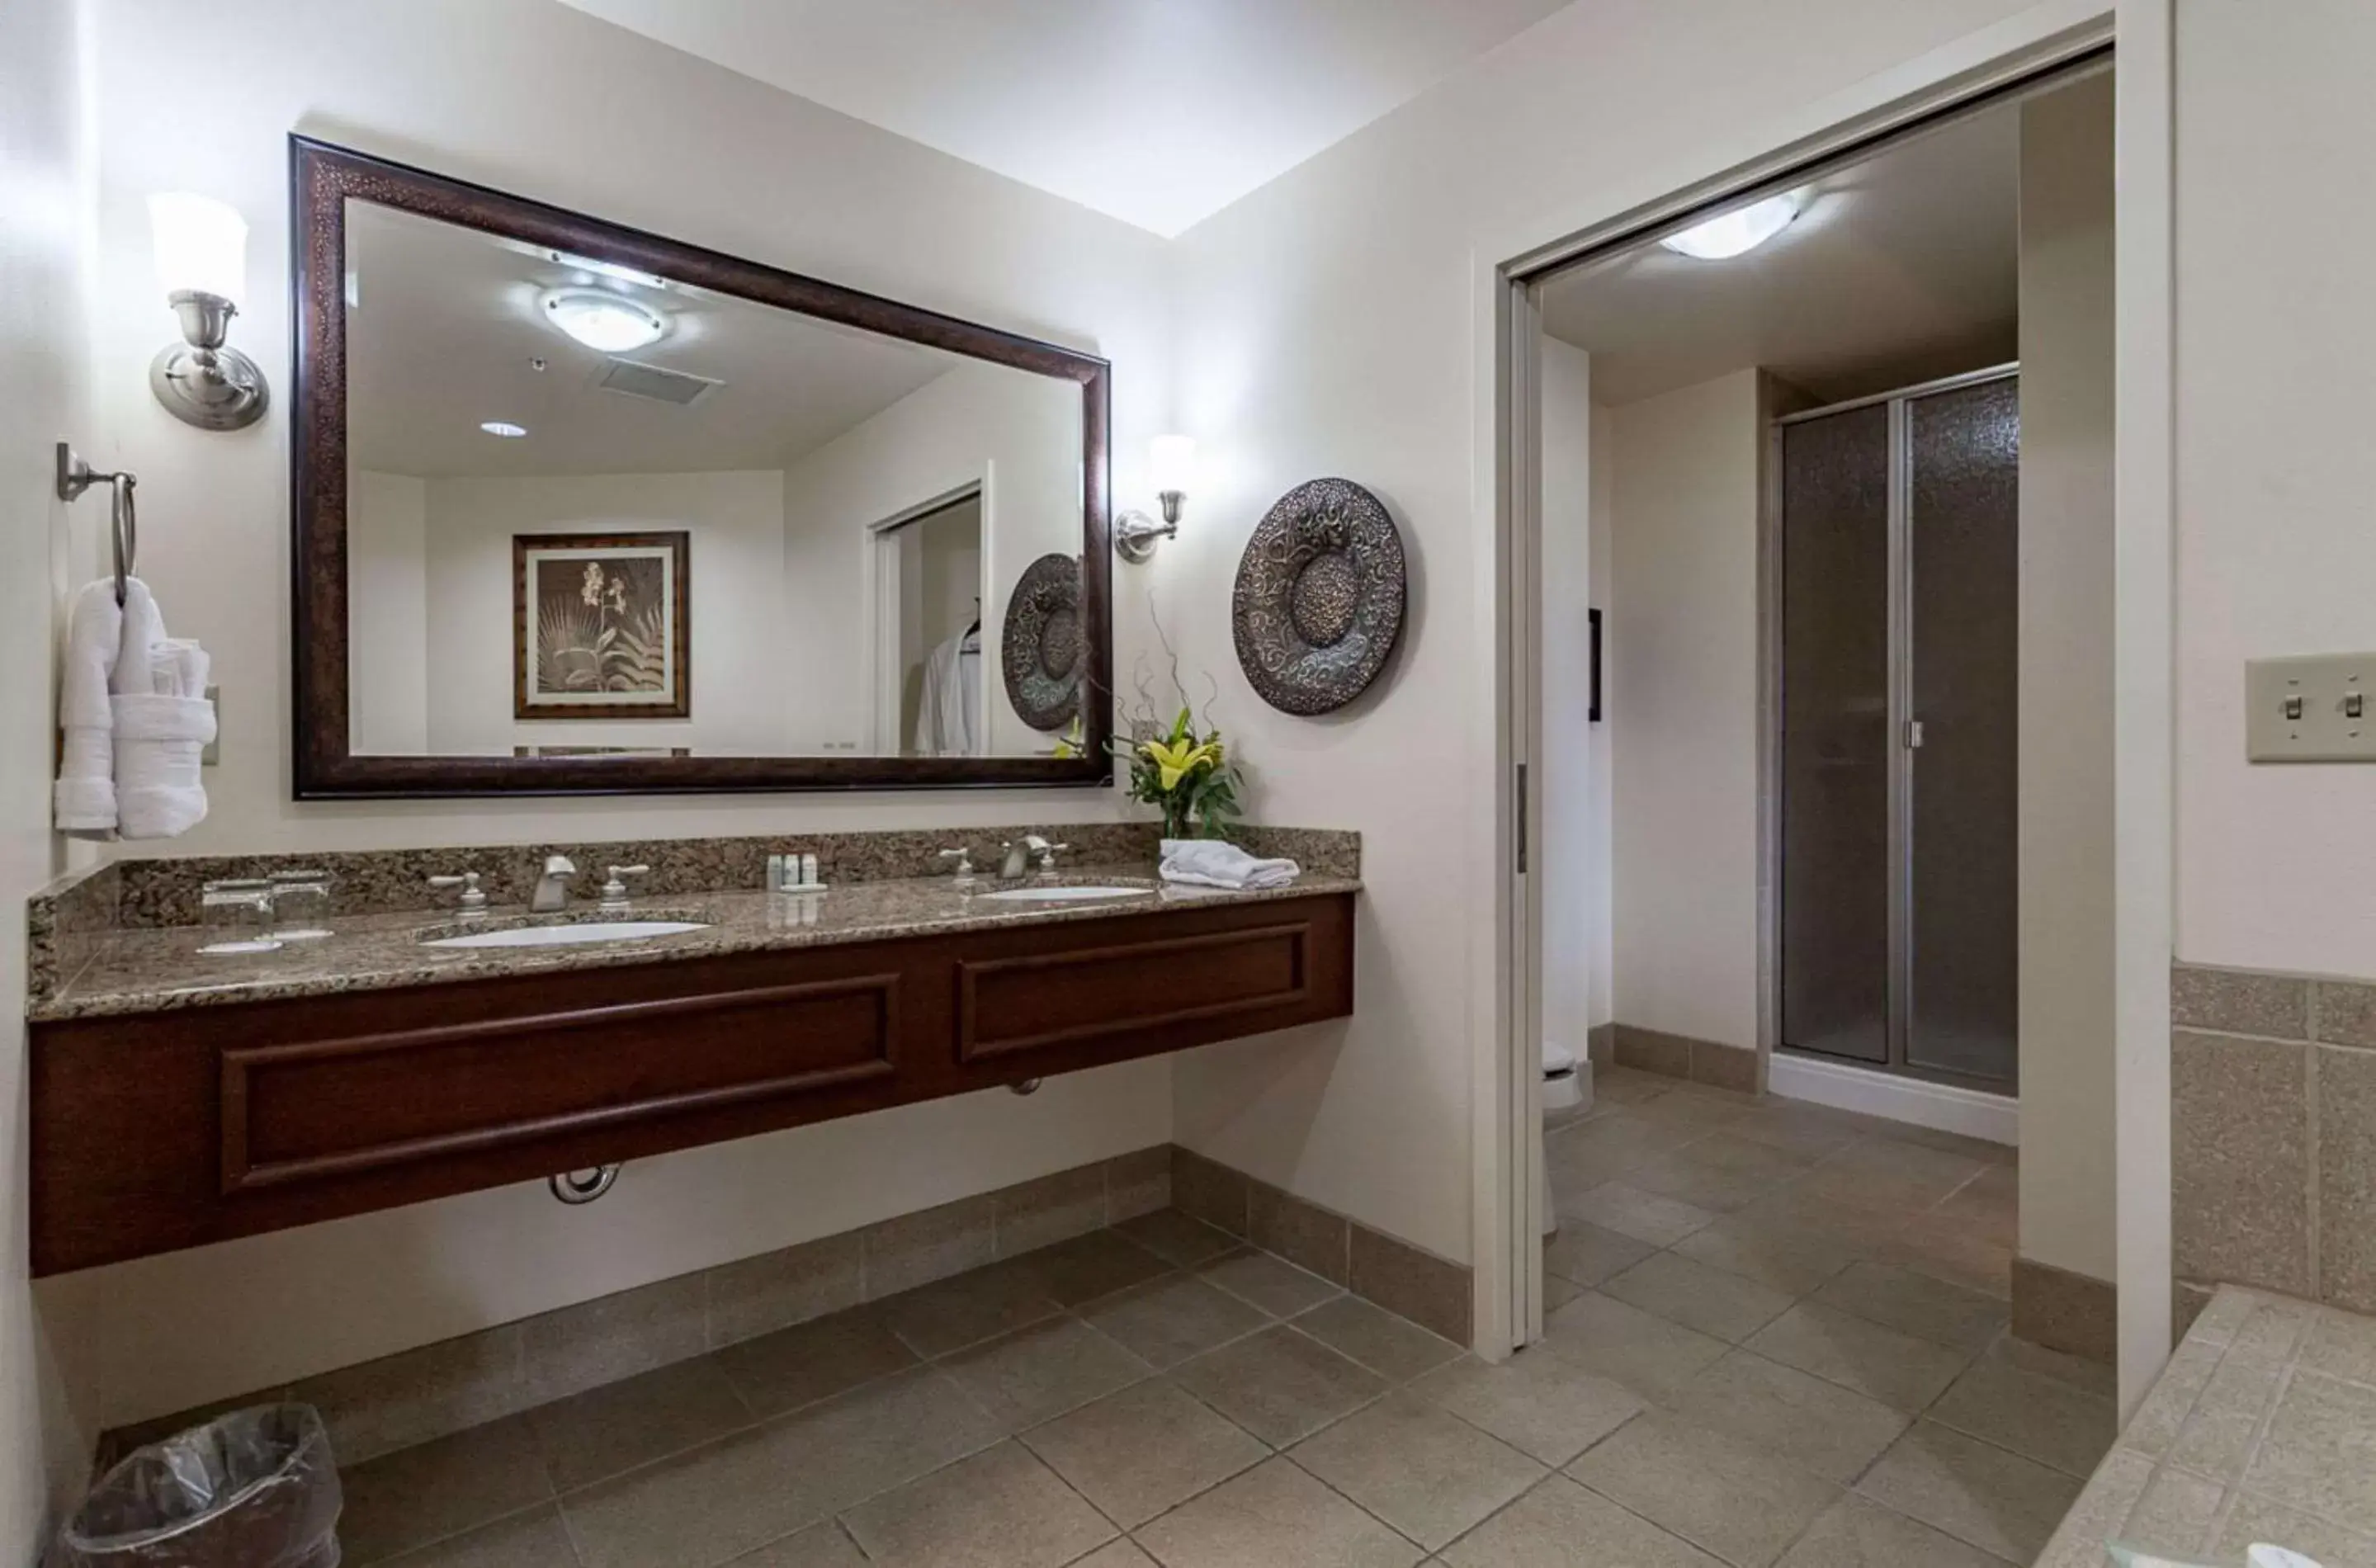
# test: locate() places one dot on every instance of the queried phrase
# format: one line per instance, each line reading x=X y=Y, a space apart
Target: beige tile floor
x=1778 y=1338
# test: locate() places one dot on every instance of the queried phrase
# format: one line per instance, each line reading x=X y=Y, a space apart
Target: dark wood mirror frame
x=322 y=178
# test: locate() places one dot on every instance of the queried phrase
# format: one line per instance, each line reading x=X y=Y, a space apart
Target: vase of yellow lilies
x=1187 y=775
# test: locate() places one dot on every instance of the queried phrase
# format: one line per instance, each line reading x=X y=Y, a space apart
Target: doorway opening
x=1838 y=854
x=929 y=692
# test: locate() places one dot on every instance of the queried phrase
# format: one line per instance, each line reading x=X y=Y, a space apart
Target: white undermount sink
x=1062 y=895
x=569 y=935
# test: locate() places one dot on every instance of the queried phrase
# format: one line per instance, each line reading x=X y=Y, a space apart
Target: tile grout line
x=844 y=1531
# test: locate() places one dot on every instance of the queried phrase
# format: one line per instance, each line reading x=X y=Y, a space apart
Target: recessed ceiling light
x=505 y=428
x=1736 y=232
x=603 y=321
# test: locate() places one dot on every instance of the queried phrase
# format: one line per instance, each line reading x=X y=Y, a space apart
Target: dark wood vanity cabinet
x=157 y=1131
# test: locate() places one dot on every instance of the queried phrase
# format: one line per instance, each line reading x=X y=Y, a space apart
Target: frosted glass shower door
x=1898 y=535
x=1836 y=735
x=1962 y=530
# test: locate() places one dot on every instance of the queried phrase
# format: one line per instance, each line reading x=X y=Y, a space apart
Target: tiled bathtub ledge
x=2263 y=1428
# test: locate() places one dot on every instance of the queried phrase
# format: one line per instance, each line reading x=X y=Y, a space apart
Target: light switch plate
x=2301 y=710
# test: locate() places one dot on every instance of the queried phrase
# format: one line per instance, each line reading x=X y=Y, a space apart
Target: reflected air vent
x=637 y=380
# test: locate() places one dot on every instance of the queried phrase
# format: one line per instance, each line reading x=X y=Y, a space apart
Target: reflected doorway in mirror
x=599 y=625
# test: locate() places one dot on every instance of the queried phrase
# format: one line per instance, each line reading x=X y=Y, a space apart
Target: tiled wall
x=1407 y=1281
x=2273 y=1153
x=377 y=1407
x=1681 y=1056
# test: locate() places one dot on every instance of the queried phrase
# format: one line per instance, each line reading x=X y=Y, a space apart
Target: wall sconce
x=201 y=252
x=1172 y=462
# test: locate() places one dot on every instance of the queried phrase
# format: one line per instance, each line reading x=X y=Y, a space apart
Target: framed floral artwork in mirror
x=601 y=625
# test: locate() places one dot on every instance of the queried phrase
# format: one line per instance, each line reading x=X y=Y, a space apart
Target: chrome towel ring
x=74 y=476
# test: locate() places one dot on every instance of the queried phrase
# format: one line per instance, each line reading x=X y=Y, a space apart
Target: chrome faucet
x=1019 y=856
x=551 y=894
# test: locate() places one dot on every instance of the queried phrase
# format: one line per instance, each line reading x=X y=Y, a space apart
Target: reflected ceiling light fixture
x=505 y=428
x=603 y=321
x=1736 y=232
x=1172 y=464
x=607 y=269
x=201 y=256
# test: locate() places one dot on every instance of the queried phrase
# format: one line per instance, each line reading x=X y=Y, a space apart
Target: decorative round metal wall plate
x=1320 y=595
x=1041 y=652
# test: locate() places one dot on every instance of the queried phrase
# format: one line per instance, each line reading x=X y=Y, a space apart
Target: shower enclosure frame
x=1900 y=720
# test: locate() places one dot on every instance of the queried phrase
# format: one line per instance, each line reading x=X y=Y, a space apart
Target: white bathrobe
x=948 y=712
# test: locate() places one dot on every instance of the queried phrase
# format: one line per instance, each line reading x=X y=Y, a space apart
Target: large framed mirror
x=580 y=509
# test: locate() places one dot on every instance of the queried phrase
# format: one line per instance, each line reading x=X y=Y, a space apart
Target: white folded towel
x=1209 y=862
x=116 y=652
x=159 y=741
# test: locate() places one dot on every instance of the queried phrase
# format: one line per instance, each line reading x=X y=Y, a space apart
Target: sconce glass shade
x=1171 y=462
x=201 y=246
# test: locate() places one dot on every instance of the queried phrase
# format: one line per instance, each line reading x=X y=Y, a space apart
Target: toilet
x=1567 y=1094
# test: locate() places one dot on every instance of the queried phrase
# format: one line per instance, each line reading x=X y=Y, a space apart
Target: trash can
x=254 y=1489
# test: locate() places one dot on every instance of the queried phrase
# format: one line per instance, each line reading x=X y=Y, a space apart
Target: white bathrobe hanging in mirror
x=948 y=711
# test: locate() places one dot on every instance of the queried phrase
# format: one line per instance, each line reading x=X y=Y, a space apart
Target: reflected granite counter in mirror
x=582 y=509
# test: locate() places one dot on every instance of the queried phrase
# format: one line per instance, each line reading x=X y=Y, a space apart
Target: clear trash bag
x=254 y=1489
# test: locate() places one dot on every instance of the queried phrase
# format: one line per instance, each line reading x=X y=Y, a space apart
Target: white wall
x=537 y=98
x=2065 y=798
x=45 y=1392
x=1018 y=436
x=2277 y=354
x=387 y=616
x=1575 y=867
x=737 y=613
x=1328 y=327
x=1683 y=538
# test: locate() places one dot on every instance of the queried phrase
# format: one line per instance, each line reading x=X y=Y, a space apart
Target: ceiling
x=1159 y=112
x=444 y=331
x=1899 y=268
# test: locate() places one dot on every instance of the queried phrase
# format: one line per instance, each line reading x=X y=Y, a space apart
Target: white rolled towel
x=180 y=668
x=1209 y=862
x=158 y=743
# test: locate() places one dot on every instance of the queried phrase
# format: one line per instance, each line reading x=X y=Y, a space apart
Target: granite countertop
x=160 y=969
